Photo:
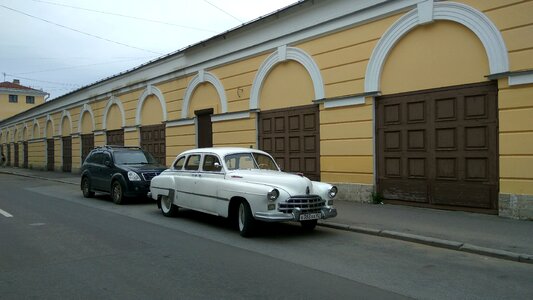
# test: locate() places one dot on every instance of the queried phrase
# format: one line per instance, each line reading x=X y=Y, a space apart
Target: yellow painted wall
x=174 y=91
x=132 y=138
x=99 y=140
x=436 y=55
x=65 y=127
x=513 y=19
x=76 y=153
x=86 y=123
x=179 y=139
x=204 y=96
x=49 y=130
x=236 y=133
x=114 y=118
x=237 y=79
x=516 y=138
x=343 y=56
x=151 y=111
x=346 y=145
x=10 y=109
x=36 y=155
x=288 y=84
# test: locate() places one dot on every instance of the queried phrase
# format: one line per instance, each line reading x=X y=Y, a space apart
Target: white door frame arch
x=476 y=21
x=282 y=54
x=198 y=79
x=150 y=90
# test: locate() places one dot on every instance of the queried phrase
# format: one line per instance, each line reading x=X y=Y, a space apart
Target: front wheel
x=117 y=193
x=167 y=207
x=309 y=225
x=86 y=188
x=246 y=220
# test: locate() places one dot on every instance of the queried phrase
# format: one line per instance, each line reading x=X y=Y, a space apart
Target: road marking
x=5 y=214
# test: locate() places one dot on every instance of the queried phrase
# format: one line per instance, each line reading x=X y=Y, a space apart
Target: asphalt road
x=55 y=244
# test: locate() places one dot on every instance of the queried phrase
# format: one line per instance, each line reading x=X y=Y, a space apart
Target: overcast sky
x=61 y=45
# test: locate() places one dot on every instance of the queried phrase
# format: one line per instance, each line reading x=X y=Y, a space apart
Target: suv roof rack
x=116 y=146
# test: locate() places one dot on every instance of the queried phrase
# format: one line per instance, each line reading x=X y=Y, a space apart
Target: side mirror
x=217 y=166
x=107 y=163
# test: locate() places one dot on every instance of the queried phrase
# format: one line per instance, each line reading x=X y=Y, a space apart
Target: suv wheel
x=117 y=192
x=86 y=188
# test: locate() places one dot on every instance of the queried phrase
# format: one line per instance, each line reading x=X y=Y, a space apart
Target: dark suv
x=120 y=171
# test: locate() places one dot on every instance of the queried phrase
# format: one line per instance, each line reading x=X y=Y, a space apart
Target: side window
x=211 y=164
x=106 y=158
x=92 y=157
x=193 y=163
x=179 y=163
x=97 y=158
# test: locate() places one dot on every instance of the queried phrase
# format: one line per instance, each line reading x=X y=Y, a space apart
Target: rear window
x=179 y=163
x=193 y=163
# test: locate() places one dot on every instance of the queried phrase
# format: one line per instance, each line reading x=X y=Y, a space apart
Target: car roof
x=223 y=151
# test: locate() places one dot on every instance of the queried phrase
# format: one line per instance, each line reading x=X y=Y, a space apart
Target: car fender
x=85 y=173
x=163 y=185
x=120 y=178
x=254 y=193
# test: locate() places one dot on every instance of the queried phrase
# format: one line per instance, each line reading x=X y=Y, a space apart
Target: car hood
x=144 y=167
x=292 y=183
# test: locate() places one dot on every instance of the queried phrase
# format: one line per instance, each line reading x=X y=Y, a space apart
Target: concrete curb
x=435 y=242
x=37 y=177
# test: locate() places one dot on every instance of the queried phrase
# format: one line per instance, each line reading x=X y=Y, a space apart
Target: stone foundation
x=516 y=206
x=355 y=192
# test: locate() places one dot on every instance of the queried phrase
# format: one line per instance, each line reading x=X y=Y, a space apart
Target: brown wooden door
x=67 y=153
x=439 y=147
x=16 y=163
x=25 y=150
x=205 y=127
x=87 y=144
x=153 y=141
x=292 y=137
x=115 y=137
x=50 y=154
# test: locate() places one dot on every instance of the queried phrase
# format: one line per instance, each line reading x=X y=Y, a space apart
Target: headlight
x=332 y=192
x=132 y=176
x=273 y=195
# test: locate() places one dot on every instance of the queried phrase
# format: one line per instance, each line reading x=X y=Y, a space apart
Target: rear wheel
x=167 y=207
x=245 y=219
x=86 y=188
x=117 y=192
x=309 y=225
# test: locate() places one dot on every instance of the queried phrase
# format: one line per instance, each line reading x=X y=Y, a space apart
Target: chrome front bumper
x=276 y=216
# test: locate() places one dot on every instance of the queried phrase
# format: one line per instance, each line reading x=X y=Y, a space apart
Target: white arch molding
x=35 y=123
x=282 y=54
x=49 y=120
x=150 y=90
x=469 y=17
x=86 y=108
x=113 y=100
x=200 y=78
x=65 y=114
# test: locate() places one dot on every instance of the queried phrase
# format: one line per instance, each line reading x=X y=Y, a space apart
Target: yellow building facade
x=417 y=102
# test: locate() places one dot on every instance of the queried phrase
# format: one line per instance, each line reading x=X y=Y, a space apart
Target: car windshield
x=133 y=157
x=246 y=161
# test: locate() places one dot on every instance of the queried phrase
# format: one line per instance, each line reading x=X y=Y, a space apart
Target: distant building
x=16 y=98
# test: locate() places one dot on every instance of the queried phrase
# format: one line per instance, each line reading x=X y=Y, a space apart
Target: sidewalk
x=469 y=232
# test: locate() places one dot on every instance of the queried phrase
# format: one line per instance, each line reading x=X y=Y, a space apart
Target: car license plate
x=305 y=217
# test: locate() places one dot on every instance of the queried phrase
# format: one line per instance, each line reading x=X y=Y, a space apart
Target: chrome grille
x=149 y=175
x=307 y=204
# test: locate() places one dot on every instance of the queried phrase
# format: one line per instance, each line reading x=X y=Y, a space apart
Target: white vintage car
x=243 y=184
